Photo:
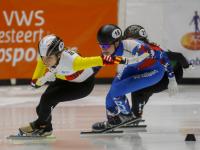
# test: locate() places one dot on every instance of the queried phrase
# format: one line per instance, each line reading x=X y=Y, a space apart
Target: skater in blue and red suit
x=131 y=77
x=140 y=98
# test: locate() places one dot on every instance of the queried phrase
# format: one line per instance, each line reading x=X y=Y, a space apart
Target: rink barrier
x=194 y=81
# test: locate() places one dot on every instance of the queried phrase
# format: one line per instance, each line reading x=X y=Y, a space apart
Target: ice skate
x=120 y=119
x=109 y=127
x=46 y=133
x=30 y=134
x=115 y=122
x=31 y=130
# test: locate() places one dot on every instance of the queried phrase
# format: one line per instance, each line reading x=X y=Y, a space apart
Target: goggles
x=106 y=46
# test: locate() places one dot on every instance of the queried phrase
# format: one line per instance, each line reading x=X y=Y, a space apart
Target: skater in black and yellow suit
x=71 y=75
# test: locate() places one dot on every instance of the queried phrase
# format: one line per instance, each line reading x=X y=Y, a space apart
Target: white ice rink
x=168 y=120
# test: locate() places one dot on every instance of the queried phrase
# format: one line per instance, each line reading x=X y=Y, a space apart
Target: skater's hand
x=172 y=86
x=50 y=76
x=111 y=60
x=136 y=58
x=190 y=68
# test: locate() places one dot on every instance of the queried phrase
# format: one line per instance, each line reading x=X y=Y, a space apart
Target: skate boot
x=135 y=123
x=113 y=122
x=100 y=126
x=121 y=118
x=32 y=130
x=46 y=133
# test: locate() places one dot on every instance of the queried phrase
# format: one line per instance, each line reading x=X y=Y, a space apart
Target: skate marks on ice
x=125 y=141
x=143 y=141
x=168 y=120
x=30 y=146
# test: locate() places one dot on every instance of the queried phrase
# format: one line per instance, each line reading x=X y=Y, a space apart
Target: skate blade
x=132 y=129
x=117 y=133
x=135 y=123
x=121 y=125
x=28 y=139
x=100 y=135
x=132 y=126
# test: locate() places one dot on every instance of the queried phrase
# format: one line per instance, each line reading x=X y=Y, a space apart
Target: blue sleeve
x=141 y=48
x=136 y=49
x=163 y=58
x=96 y=69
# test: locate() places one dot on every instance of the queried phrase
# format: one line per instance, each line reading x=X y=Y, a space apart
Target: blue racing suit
x=135 y=76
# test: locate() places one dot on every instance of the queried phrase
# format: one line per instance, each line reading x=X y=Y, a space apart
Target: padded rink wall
x=167 y=23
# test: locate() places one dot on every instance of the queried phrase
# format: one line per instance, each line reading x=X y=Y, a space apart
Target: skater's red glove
x=111 y=60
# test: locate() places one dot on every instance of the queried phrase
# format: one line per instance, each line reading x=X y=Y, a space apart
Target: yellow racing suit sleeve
x=81 y=63
x=38 y=74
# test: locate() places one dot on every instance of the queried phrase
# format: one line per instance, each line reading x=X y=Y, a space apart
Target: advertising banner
x=182 y=31
x=174 y=24
x=24 y=23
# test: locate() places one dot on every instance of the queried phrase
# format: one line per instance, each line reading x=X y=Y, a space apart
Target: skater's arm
x=38 y=74
x=81 y=63
x=174 y=56
x=163 y=58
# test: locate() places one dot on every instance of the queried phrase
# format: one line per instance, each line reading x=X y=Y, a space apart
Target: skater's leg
x=111 y=107
x=128 y=84
x=54 y=84
x=48 y=126
x=139 y=100
x=133 y=83
x=141 y=97
x=66 y=92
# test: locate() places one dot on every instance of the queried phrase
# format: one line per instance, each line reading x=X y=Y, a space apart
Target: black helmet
x=136 y=32
x=109 y=34
x=50 y=45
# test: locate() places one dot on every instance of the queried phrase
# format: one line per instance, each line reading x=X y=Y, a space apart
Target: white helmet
x=50 y=45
